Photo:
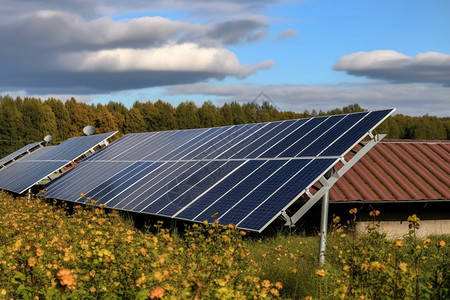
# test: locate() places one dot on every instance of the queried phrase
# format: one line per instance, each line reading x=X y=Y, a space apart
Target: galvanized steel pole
x=323 y=227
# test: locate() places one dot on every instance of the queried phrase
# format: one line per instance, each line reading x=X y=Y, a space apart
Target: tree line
x=27 y=120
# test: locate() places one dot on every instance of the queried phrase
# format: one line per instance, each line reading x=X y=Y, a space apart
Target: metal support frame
x=323 y=227
x=322 y=193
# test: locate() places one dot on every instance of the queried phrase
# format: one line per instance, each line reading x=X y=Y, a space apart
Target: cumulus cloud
x=58 y=47
x=409 y=99
x=389 y=65
x=169 y=58
x=288 y=33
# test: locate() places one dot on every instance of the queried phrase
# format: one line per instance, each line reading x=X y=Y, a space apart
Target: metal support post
x=323 y=227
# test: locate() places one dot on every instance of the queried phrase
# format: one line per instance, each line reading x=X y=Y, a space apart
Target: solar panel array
x=40 y=164
x=16 y=154
x=247 y=174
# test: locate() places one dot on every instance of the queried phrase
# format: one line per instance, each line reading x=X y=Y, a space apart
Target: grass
x=48 y=253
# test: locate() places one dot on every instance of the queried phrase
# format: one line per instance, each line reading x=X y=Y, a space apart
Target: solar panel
x=43 y=162
x=247 y=174
x=18 y=153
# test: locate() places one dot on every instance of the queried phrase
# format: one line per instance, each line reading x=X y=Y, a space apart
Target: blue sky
x=313 y=54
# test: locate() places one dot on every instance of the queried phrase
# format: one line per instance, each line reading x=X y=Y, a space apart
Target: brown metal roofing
x=398 y=171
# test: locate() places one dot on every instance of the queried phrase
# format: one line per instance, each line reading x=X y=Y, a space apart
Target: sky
x=299 y=55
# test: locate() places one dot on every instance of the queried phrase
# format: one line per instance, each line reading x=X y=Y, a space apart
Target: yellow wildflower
x=374 y=213
x=441 y=243
x=32 y=261
x=66 y=278
x=413 y=219
x=275 y=292
x=156 y=293
x=320 y=272
x=403 y=267
x=399 y=243
x=278 y=285
x=427 y=241
x=265 y=283
x=158 y=276
x=353 y=211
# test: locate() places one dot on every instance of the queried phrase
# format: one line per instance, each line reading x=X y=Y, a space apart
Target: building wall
x=397 y=229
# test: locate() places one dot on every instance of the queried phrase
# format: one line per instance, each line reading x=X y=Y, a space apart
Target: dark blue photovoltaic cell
x=104 y=179
x=166 y=177
x=249 y=140
x=237 y=193
x=114 y=185
x=232 y=143
x=314 y=148
x=353 y=136
x=203 y=135
x=185 y=183
x=18 y=153
x=259 y=145
x=196 y=188
x=216 y=142
x=125 y=143
x=18 y=177
x=74 y=147
x=83 y=179
x=273 y=181
x=109 y=195
x=191 y=211
x=247 y=174
x=275 y=146
x=194 y=145
x=306 y=135
x=270 y=207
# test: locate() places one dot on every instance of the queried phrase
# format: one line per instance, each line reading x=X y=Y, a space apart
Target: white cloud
x=430 y=67
x=176 y=58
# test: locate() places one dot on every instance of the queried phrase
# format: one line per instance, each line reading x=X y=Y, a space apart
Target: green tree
x=62 y=119
x=104 y=121
x=149 y=113
x=187 y=115
x=267 y=112
x=119 y=111
x=33 y=118
x=238 y=113
x=134 y=121
x=166 y=117
x=226 y=115
x=11 y=126
x=208 y=114
x=428 y=127
x=49 y=126
x=251 y=112
x=81 y=115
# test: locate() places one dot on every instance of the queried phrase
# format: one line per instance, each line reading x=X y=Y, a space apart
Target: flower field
x=47 y=253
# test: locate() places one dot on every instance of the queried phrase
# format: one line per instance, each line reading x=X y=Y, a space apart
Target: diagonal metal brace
x=328 y=183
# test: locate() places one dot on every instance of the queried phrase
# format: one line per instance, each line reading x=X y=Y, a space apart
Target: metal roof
x=398 y=171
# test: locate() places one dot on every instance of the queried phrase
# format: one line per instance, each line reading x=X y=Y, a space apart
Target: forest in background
x=27 y=120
